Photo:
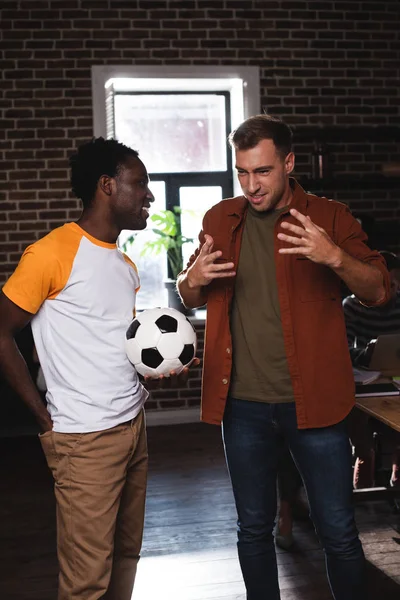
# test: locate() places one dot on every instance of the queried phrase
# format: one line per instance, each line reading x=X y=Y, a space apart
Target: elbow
x=382 y=291
x=185 y=298
x=379 y=293
x=191 y=302
x=190 y=298
x=191 y=305
x=181 y=293
x=382 y=296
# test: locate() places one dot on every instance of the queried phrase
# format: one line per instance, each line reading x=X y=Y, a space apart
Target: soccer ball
x=160 y=340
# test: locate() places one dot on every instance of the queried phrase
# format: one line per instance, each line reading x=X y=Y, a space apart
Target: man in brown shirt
x=269 y=267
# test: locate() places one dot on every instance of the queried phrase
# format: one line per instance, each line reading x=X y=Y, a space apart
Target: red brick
x=38 y=4
x=53 y=174
x=40 y=36
x=29 y=164
x=32 y=185
x=7 y=247
x=44 y=154
x=17 y=237
x=34 y=205
x=172 y=403
x=66 y=204
x=58 y=143
x=5 y=270
x=18 y=195
x=8 y=226
x=73 y=14
x=49 y=54
x=53 y=195
x=52 y=214
x=194 y=402
x=23 y=216
x=21 y=174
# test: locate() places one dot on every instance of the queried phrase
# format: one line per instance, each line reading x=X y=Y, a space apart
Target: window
x=178 y=119
x=177 y=132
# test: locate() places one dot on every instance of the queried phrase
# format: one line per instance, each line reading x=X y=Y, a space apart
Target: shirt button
x=228 y=350
x=224 y=381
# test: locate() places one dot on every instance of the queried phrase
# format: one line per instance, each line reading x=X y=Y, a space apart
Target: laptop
x=364 y=390
x=386 y=355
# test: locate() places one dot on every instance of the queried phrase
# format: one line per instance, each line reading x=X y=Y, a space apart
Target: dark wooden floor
x=189 y=548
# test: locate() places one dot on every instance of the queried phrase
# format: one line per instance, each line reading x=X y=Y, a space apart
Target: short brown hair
x=262 y=127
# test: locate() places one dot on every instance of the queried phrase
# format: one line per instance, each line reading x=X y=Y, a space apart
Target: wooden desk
x=383 y=408
x=387 y=410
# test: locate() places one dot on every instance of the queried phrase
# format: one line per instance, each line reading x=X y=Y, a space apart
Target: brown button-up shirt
x=311 y=311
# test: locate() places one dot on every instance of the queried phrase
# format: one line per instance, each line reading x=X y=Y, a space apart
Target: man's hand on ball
x=172 y=381
x=310 y=241
x=205 y=269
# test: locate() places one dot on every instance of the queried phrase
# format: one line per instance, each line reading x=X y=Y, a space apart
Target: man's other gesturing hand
x=310 y=240
x=205 y=268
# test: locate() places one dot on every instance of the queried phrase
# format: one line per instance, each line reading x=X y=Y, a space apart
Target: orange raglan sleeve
x=134 y=267
x=34 y=279
x=136 y=279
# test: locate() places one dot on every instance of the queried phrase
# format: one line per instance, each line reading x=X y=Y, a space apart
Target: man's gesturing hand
x=205 y=269
x=310 y=241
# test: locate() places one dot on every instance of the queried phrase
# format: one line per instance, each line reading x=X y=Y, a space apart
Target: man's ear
x=106 y=184
x=289 y=163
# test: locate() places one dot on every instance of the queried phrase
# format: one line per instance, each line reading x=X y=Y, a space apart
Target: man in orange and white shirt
x=78 y=291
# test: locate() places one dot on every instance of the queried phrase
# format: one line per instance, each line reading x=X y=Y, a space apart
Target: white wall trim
x=172 y=416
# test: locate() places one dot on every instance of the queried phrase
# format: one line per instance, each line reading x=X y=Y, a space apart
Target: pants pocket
x=65 y=444
x=48 y=447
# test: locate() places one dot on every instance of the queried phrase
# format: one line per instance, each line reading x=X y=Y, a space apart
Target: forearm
x=364 y=280
x=16 y=373
x=192 y=296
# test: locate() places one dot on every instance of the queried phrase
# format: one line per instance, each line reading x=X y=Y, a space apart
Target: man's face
x=263 y=176
x=132 y=196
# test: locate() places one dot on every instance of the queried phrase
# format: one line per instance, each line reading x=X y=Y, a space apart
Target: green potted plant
x=168 y=238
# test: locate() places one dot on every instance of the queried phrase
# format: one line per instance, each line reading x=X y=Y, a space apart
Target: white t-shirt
x=82 y=292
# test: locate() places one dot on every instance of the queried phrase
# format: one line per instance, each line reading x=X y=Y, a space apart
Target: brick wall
x=330 y=69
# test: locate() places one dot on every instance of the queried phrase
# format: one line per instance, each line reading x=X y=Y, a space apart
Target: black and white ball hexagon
x=160 y=340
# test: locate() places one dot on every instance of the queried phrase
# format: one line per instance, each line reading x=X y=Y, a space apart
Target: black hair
x=262 y=127
x=94 y=159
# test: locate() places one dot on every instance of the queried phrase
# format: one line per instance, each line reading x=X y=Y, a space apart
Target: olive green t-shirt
x=259 y=371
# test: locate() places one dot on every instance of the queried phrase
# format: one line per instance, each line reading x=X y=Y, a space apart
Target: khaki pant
x=100 y=487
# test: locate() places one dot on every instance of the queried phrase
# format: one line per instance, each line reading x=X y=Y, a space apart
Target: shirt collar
x=238 y=205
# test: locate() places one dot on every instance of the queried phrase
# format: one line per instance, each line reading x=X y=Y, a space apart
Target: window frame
x=242 y=83
x=238 y=84
x=176 y=179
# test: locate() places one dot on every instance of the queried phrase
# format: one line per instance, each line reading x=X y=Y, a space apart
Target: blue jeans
x=251 y=432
